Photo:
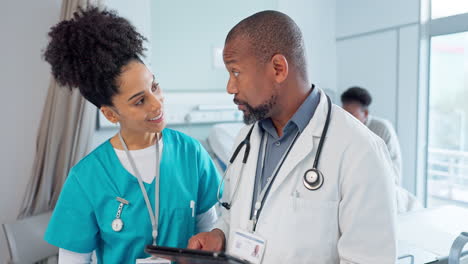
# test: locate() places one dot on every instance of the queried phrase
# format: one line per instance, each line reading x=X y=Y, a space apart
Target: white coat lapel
x=304 y=143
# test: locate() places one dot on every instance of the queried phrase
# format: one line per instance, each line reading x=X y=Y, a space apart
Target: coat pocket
x=312 y=228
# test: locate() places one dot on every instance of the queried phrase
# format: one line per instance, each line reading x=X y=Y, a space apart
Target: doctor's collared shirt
x=276 y=147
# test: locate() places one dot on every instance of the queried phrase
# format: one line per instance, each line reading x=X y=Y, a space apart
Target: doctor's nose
x=231 y=87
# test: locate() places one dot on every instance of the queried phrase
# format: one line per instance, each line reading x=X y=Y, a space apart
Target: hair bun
x=89 y=50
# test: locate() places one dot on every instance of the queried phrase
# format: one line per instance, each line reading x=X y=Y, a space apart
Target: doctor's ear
x=110 y=114
x=280 y=67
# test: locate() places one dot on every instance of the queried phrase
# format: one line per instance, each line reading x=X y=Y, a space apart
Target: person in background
x=145 y=185
x=356 y=100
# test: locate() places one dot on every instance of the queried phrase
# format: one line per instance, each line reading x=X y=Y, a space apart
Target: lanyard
x=261 y=196
x=153 y=216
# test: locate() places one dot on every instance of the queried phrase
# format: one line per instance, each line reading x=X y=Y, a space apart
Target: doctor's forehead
x=230 y=52
x=234 y=50
x=230 y=56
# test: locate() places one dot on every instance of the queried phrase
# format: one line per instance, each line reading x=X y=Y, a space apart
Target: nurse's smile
x=157 y=119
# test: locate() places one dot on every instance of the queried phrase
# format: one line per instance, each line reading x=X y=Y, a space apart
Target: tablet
x=191 y=256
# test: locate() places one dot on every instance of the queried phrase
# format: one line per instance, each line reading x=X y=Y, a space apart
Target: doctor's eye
x=235 y=73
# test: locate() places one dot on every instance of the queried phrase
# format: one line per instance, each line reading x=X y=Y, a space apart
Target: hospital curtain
x=64 y=136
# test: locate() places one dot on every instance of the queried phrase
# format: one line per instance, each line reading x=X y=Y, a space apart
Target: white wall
x=378 y=48
x=317 y=20
x=25 y=79
x=185 y=35
x=139 y=15
x=360 y=16
x=370 y=61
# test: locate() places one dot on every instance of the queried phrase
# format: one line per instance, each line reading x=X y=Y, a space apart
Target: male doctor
x=345 y=213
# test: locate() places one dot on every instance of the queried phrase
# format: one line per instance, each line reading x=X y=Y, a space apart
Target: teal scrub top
x=81 y=221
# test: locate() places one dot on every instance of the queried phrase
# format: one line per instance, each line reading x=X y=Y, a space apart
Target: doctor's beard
x=253 y=114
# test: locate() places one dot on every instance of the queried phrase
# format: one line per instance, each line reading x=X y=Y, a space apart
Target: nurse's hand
x=211 y=241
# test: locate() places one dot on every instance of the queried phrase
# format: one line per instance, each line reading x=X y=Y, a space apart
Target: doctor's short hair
x=90 y=50
x=272 y=32
x=356 y=94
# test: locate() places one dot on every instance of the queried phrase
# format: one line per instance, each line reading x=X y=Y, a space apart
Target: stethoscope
x=313 y=178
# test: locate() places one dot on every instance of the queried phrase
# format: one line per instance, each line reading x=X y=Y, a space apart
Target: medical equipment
x=118 y=224
x=313 y=178
x=184 y=255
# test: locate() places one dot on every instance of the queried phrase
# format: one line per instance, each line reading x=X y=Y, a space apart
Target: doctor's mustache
x=244 y=103
x=240 y=102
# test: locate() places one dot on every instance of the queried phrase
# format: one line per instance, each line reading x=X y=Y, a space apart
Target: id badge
x=247 y=246
x=153 y=260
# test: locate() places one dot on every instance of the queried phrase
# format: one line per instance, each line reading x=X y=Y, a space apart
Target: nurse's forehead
x=134 y=78
x=135 y=73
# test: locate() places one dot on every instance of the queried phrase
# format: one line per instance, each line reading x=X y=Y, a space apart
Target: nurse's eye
x=155 y=87
x=235 y=73
x=140 y=102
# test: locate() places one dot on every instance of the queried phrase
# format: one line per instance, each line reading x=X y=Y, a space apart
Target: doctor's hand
x=211 y=241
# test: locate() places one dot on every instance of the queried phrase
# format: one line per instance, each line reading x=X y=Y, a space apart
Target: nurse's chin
x=157 y=128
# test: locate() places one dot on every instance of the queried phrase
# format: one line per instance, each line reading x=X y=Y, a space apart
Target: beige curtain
x=64 y=137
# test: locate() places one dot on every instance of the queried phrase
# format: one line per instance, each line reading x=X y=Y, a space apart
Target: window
x=447 y=157
x=445 y=8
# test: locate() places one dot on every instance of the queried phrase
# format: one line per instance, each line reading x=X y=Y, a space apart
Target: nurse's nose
x=156 y=102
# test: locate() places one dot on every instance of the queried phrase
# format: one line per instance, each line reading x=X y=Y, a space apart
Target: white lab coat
x=350 y=219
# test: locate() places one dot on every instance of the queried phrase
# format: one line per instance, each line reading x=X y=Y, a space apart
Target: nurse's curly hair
x=90 y=50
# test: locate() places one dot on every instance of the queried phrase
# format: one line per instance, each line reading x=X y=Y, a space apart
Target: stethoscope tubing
x=246 y=143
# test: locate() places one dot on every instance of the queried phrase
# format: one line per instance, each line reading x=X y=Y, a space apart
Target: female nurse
x=147 y=184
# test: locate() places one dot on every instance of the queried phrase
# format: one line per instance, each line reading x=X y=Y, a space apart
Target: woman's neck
x=134 y=140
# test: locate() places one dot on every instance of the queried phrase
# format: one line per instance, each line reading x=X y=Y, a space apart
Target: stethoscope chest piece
x=313 y=179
